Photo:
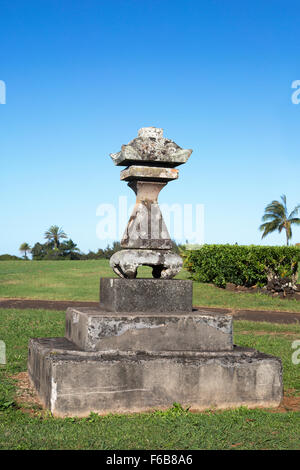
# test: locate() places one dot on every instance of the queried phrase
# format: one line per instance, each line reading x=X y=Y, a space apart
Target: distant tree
x=65 y=250
x=100 y=254
x=276 y=217
x=109 y=250
x=55 y=234
x=89 y=255
x=39 y=250
x=69 y=250
x=25 y=248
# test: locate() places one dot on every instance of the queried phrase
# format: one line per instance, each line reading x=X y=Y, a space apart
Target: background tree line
x=58 y=247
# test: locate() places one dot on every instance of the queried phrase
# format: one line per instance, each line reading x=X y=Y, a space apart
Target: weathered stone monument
x=146 y=347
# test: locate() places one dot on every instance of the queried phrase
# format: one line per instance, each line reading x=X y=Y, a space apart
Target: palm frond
x=271 y=216
x=294 y=212
x=283 y=198
x=295 y=221
x=268 y=227
x=276 y=208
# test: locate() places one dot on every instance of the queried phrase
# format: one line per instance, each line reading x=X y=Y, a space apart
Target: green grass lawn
x=173 y=429
x=79 y=280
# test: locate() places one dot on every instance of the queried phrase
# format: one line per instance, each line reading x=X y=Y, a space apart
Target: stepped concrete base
x=97 y=330
x=146 y=295
x=72 y=382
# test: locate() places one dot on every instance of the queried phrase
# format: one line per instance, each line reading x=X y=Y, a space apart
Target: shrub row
x=241 y=265
x=7 y=257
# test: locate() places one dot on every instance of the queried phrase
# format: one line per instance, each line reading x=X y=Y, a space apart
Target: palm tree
x=24 y=248
x=276 y=217
x=69 y=247
x=55 y=234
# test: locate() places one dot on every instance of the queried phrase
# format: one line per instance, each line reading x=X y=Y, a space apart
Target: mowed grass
x=25 y=426
x=79 y=280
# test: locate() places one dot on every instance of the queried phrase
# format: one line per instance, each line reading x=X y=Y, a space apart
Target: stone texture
x=151 y=132
x=146 y=295
x=152 y=148
x=146 y=228
x=149 y=173
x=96 y=330
x=165 y=263
x=71 y=382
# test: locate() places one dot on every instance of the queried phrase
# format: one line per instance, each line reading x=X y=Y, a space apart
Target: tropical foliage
x=55 y=234
x=276 y=217
x=241 y=265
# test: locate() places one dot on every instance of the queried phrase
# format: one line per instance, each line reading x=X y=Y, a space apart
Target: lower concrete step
x=72 y=382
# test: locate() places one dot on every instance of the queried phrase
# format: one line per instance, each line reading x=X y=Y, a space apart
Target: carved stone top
x=152 y=148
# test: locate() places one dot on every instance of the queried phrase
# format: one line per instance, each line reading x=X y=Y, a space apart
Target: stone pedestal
x=145 y=348
x=73 y=382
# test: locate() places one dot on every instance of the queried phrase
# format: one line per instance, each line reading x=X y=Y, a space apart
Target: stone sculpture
x=151 y=160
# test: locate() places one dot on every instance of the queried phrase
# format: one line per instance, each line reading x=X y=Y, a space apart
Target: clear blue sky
x=83 y=76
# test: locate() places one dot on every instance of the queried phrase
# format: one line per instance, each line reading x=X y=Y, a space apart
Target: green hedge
x=241 y=265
